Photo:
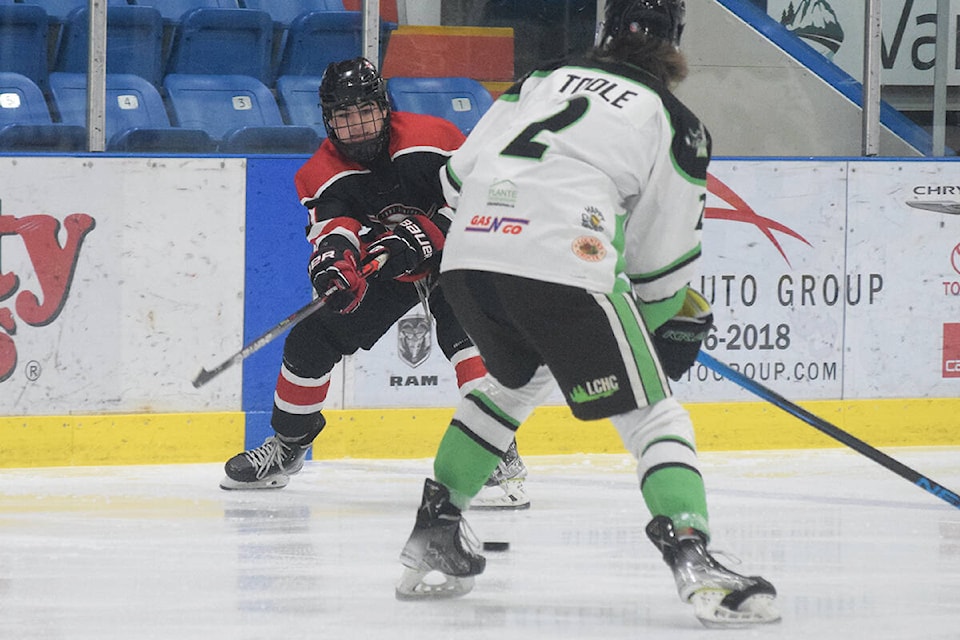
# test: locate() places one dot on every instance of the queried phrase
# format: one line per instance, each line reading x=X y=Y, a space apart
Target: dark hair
x=658 y=57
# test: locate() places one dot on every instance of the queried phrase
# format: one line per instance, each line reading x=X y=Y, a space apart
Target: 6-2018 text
x=748 y=337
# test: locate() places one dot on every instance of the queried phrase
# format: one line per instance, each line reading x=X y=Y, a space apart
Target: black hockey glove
x=678 y=339
x=335 y=274
x=413 y=241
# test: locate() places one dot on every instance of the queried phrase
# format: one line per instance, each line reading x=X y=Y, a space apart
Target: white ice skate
x=720 y=597
x=504 y=489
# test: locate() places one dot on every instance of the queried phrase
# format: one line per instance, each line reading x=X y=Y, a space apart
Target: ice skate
x=504 y=489
x=269 y=466
x=720 y=597
x=438 y=558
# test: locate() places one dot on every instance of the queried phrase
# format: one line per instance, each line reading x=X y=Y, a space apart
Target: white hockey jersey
x=590 y=175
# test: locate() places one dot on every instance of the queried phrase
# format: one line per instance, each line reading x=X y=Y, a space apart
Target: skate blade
x=431 y=585
x=499 y=505
x=278 y=481
x=757 y=609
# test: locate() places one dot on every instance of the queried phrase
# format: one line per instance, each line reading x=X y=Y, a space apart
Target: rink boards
x=834 y=282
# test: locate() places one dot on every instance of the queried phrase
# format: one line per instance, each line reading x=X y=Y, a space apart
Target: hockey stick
x=834 y=432
x=272 y=333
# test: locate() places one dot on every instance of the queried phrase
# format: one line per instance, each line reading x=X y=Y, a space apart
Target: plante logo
x=742 y=212
x=54 y=266
x=502 y=194
x=951 y=350
x=414 y=340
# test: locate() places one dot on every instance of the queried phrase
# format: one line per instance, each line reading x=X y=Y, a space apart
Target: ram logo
x=414 y=340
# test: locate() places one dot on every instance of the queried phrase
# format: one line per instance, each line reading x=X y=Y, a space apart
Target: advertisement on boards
x=835 y=28
x=832 y=280
x=406 y=368
x=119 y=278
x=773 y=270
x=907 y=219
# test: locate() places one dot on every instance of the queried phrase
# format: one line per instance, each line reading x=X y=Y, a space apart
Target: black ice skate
x=504 y=488
x=269 y=466
x=437 y=563
x=720 y=597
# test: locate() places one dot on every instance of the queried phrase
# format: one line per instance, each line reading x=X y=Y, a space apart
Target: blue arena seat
x=317 y=38
x=59 y=10
x=286 y=11
x=24 y=33
x=25 y=121
x=462 y=101
x=238 y=111
x=136 y=118
x=299 y=101
x=134 y=42
x=225 y=42
x=283 y=13
x=173 y=10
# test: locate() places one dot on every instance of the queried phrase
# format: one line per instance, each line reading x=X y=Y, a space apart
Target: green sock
x=678 y=493
x=463 y=466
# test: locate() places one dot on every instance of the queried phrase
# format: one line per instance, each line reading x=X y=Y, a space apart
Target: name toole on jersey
x=570 y=167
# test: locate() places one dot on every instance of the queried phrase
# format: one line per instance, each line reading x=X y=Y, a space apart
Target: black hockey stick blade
x=831 y=430
x=271 y=334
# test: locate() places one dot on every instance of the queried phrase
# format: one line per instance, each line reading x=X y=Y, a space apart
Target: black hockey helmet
x=656 y=18
x=355 y=82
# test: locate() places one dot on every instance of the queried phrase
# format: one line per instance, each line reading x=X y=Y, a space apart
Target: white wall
x=420 y=12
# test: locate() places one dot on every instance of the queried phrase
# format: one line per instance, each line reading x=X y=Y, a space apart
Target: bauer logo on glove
x=678 y=339
x=413 y=241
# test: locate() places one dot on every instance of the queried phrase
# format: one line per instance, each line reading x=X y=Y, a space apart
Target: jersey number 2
x=523 y=145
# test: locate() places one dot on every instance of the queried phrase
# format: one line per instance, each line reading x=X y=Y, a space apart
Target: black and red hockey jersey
x=360 y=202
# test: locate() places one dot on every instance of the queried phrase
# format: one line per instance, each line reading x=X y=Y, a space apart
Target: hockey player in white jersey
x=579 y=200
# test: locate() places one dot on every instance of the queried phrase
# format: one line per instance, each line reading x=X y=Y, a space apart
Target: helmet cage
x=351 y=83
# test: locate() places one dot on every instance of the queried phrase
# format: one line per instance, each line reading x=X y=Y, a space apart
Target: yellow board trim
x=54 y=441
x=35 y=441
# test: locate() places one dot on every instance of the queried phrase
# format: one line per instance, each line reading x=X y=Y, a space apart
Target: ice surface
x=143 y=552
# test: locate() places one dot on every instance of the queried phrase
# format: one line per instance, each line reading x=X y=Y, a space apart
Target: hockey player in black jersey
x=371 y=189
x=606 y=173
